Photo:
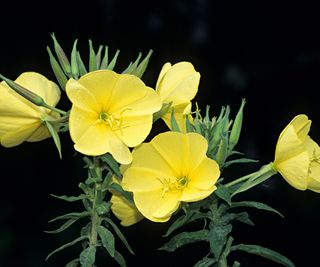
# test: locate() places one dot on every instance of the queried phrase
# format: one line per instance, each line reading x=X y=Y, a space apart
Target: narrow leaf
x=223 y=193
x=82 y=68
x=74 y=62
x=174 y=125
x=104 y=62
x=69 y=198
x=119 y=234
x=113 y=61
x=255 y=204
x=98 y=56
x=143 y=65
x=57 y=70
x=88 y=257
x=119 y=259
x=218 y=238
x=205 y=262
x=264 y=252
x=63 y=227
x=92 y=58
x=236 y=128
x=184 y=239
x=120 y=190
x=72 y=215
x=67 y=245
x=235 y=161
x=64 y=62
x=73 y=263
x=112 y=164
x=107 y=239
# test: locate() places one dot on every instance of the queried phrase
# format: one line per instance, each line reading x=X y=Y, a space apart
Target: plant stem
x=54 y=109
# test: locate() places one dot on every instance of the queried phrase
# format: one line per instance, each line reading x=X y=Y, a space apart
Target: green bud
x=92 y=58
x=222 y=149
x=58 y=72
x=236 y=128
x=164 y=109
x=143 y=65
x=105 y=60
x=82 y=68
x=27 y=94
x=113 y=61
x=64 y=62
x=98 y=57
x=174 y=125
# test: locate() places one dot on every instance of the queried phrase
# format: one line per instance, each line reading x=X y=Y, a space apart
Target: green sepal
x=174 y=125
x=264 y=252
x=81 y=238
x=107 y=239
x=255 y=204
x=236 y=128
x=88 y=257
x=63 y=60
x=98 y=57
x=63 y=227
x=113 y=61
x=139 y=71
x=54 y=133
x=132 y=66
x=217 y=238
x=70 y=198
x=222 y=149
x=74 y=61
x=205 y=262
x=57 y=70
x=119 y=234
x=184 y=239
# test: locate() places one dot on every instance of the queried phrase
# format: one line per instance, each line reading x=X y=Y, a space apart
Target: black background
x=265 y=51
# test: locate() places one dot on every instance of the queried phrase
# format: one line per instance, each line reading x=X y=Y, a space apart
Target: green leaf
x=69 y=198
x=205 y=262
x=73 y=263
x=113 y=61
x=55 y=136
x=107 y=239
x=174 y=125
x=104 y=62
x=255 y=204
x=92 y=58
x=63 y=227
x=139 y=71
x=119 y=259
x=67 y=245
x=241 y=217
x=57 y=70
x=103 y=208
x=72 y=215
x=189 y=125
x=119 y=189
x=184 y=239
x=236 y=264
x=218 y=238
x=222 y=149
x=82 y=68
x=119 y=234
x=74 y=63
x=112 y=164
x=223 y=193
x=88 y=257
x=264 y=252
x=235 y=161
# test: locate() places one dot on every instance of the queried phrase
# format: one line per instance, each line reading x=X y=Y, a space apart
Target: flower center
x=173 y=185
x=113 y=120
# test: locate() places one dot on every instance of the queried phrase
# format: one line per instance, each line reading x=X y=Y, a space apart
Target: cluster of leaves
x=100 y=230
x=218 y=210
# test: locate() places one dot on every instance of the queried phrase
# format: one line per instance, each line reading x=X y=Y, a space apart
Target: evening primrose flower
x=178 y=85
x=172 y=168
x=21 y=120
x=110 y=113
x=297 y=156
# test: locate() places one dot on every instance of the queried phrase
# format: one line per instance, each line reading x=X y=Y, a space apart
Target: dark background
x=265 y=51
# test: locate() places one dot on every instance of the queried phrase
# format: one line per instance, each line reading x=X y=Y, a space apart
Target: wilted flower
x=172 y=168
x=178 y=85
x=110 y=113
x=21 y=120
x=297 y=156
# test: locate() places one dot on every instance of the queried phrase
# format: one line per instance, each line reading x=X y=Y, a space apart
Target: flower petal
x=190 y=194
x=155 y=205
x=163 y=71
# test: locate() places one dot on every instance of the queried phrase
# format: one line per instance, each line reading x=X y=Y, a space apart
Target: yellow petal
x=118 y=149
x=190 y=194
x=301 y=125
x=155 y=205
x=126 y=212
x=163 y=71
x=295 y=170
x=139 y=179
x=313 y=179
x=205 y=175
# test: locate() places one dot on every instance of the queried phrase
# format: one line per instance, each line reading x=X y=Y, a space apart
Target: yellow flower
x=122 y=208
x=297 y=156
x=21 y=120
x=178 y=84
x=172 y=168
x=110 y=113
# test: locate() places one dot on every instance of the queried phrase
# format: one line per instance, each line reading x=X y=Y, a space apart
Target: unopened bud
x=64 y=62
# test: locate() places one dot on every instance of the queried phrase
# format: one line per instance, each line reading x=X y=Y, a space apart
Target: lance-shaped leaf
x=112 y=164
x=184 y=239
x=73 y=263
x=205 y=262
x=113 y=61
x=98 y=56
x=105 y=60
x=264 y=252
x=92 y=58
x=70 y=198
x=71 y=215
x=63 y=227
x=81 y=66
x=237 y=161
x=54 y=133
x=107 y=239
x=74 y=61
x=81 y=238
x=57 y=70
x=119 y=259
x=236 y=128
x=63 y=60
x=88 y=257
x=218 y=238
x=255 y=204
x=224 y=193
x=174 y=124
